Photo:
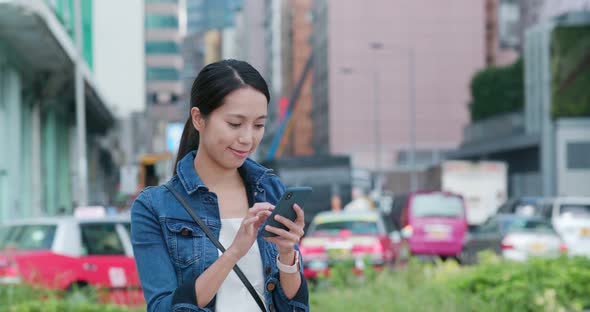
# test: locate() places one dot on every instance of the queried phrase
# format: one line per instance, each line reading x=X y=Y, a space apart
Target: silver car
x=570 y=216
x=530 y=237
x=514 y=237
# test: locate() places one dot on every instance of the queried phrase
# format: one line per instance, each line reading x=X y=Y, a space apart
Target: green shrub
x=497 y=90
x=494 y=285
x=27 y=299
x=570 y=71
x=65 y=306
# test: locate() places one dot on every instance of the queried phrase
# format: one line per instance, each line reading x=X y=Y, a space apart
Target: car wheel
x=79 y=292
x=403 y=256
x=464 y=258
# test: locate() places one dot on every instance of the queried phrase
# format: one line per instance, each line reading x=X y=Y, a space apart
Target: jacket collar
x=251 y=171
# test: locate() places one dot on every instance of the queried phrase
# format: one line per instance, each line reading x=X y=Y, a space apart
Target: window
x=101 y=239
x=28 y=237
x=163 y=74
x=574 y=211
x=161 y=47
x=489 y=227
x=526 y=225
x=355 y=227
x=161 y=21
x=578 y=155
x=437 y=205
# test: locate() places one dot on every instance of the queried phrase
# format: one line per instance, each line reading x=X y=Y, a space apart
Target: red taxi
x=69 y=253
x=334 y=237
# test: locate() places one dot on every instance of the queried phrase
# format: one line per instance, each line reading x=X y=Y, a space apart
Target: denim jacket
x=171 y=251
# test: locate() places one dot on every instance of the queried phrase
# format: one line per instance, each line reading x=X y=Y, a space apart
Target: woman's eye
x=233 y=125
x=259 y=126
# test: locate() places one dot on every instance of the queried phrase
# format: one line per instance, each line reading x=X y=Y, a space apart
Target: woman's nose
x=245 y=138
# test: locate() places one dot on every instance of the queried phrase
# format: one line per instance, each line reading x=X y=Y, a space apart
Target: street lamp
x=412 y=109
x=376 y=46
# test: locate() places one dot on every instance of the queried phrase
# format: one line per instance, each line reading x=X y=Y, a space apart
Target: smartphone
x=293 y=195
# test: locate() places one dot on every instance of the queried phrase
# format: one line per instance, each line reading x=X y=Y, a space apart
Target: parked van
x=432 y=223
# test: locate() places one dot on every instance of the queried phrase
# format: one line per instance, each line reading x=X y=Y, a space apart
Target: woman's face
x=233 y=131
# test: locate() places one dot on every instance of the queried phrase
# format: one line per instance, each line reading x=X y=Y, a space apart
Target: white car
x=514 y=237
x=570 y=217
x=528 y=237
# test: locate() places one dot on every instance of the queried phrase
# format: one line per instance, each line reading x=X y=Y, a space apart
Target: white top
x=233 y=295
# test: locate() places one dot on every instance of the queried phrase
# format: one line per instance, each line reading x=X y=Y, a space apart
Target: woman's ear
x=197 y=118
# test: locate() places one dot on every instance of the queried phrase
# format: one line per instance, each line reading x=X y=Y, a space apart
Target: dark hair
x=209 y=89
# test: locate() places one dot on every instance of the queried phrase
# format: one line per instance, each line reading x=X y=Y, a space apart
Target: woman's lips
x=240 y=154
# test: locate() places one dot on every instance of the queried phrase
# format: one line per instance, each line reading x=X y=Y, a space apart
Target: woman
x=179 y=267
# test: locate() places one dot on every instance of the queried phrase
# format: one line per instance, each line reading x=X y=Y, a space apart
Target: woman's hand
x=248 y=231
x=286 y=240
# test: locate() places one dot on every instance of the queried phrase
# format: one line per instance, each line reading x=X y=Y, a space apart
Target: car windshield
x=526 y=225
x=437 y=205
x=527 y=209
x=28 y=237
x=575 y=211
x=355 y=227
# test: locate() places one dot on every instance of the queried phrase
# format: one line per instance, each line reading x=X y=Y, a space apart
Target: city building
x=299 y=139
x=40 y=167
x=502 y=32
x=119 y=68
x=278 y=75
x=205 y=15
x=546 y=145
x=391 y=79
x=163 y=59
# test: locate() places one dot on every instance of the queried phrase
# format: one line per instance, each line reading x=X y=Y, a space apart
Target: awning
x=39 y=46
x=500 y=145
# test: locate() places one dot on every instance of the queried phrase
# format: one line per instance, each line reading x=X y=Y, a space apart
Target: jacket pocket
x=185 y=241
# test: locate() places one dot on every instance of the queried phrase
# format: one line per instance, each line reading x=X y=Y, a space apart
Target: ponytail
x=188 y=141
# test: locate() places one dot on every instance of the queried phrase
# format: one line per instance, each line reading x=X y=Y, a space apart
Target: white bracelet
x=289 y=268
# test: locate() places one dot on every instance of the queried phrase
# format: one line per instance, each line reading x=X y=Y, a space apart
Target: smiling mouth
x=239 y=153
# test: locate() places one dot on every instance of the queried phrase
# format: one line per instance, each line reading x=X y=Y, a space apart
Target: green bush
x=497 y=90
x=65 y=306
x=27 y=299
x=570 y=70
x=494 y=285
x=538 y=285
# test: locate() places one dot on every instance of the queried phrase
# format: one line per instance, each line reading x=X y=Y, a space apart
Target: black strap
x=210 y=235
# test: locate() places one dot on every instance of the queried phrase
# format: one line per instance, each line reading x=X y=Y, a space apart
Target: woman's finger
x=251 y=220
x=300 y=215
x=260 y=207
x=292 y=226
x=262 y=216
x=285 y=221
x=282 y=233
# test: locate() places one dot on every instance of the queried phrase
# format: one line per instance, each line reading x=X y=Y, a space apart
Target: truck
x=483 y=185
